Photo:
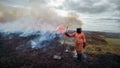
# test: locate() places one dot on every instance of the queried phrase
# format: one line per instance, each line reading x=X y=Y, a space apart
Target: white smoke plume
x=39 y=18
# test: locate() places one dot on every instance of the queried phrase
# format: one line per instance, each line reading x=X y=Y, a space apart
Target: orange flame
x=61 y=28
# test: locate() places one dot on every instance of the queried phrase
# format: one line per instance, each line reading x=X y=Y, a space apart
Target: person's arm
x=84 y=41
x=70 y=35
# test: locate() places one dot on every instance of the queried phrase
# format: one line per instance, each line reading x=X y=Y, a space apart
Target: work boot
x=79 y=56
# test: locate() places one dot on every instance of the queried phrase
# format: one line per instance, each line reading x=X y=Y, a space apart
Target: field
x=102 y=52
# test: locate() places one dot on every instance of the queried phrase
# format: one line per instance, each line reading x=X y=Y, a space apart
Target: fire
x=61 y=29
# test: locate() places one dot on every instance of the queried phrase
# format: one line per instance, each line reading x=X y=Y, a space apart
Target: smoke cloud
x=37 y=18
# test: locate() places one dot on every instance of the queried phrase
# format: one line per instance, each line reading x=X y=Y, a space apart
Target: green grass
x=102 y=49
x=113 y=47
x=113 y=41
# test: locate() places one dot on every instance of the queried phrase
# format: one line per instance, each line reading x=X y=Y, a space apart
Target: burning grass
x=102 y=52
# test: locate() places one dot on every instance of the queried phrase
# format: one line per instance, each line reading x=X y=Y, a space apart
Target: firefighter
x=80 y=42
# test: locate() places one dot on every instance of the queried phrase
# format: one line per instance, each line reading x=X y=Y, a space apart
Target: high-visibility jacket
x=80 y=41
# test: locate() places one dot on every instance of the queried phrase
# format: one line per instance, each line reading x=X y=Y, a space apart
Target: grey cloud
x=14 y=2
x=90 y=6
x=25 y=2
x=116 y=3
x=39 y=2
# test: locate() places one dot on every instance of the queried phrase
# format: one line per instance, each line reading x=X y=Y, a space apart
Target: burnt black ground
x=26 y=57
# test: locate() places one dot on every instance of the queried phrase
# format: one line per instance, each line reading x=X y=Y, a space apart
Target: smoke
x=42 y=19
x=73 y=20
x=37 y=18
x=27 y=24
x=43 y=40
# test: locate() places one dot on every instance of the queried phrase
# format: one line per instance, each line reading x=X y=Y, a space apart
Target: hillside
x=102 y=51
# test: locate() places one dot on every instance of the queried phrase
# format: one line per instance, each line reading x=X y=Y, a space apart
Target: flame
x=61 y=28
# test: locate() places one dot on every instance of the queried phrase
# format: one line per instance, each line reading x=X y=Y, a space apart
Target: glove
x=84 y=45
x=66 y=34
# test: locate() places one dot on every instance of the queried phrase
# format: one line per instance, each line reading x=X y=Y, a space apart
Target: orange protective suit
x=80 y=41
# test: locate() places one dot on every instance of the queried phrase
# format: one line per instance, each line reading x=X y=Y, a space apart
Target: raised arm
x=70 y=35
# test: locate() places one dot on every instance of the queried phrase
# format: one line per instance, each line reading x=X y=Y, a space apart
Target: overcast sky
x=86 y=8
x=106 y=12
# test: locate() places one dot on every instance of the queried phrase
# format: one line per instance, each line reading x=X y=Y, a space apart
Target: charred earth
x=36 y=50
